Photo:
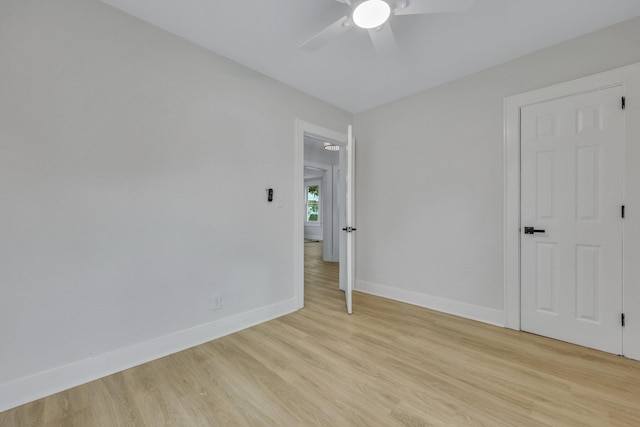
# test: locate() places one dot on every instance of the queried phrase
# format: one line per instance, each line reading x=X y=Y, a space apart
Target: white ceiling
x=265 y=35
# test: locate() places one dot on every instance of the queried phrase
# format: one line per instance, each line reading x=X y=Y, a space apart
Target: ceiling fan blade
x=419 y=7
x=383 y=39
x=339 y=27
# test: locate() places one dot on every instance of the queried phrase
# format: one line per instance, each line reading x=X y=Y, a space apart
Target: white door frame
x=512 y=106
x=303 y=128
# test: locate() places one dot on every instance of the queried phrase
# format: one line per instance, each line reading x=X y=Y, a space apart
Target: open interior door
x=347 y=237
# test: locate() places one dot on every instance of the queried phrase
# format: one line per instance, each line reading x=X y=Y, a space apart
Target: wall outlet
x=216 y=302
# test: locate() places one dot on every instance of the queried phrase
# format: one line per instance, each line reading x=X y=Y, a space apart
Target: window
x=312 y=194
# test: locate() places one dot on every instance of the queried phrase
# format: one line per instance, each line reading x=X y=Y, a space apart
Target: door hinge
x=622 y=319
x=622 y=211
x=624 y=102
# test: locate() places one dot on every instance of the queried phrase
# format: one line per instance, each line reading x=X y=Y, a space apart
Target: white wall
x=132 y=173
x=430 y=178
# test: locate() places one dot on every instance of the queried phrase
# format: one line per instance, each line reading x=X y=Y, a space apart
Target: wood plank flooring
x=388 y=364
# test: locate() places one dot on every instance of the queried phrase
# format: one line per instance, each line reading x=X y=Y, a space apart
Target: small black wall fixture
x=269 y=194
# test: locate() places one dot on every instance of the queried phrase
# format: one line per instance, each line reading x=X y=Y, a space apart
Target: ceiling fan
x=373 y=15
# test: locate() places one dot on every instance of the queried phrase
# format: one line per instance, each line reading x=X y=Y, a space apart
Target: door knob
x=531 y=230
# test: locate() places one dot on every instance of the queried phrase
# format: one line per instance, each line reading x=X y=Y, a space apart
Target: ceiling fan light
x=371 y=13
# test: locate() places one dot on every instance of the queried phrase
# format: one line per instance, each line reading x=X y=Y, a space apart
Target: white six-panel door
x=572 y=188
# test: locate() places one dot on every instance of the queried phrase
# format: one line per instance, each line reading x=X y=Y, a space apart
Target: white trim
x=317 y=165
x=301 y=128
x=33 y=387
x=512 y=108
x=456 y=308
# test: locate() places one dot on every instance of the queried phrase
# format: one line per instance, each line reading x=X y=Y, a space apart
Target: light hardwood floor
x=388 y=364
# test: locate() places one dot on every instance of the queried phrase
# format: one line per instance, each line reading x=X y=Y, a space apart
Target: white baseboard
x=42 y=384
x=457 y=308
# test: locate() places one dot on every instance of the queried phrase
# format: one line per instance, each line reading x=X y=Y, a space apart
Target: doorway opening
x=322 y=196
x=317 y=189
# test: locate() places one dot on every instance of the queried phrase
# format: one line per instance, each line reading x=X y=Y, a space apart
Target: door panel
x=343 y=218
x=588 y=184
x=572 y=157
x=587 y=282
x=545 y=189
x=347 y=239
x=546 y=278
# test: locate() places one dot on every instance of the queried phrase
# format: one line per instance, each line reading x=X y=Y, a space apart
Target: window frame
x=307 y=184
